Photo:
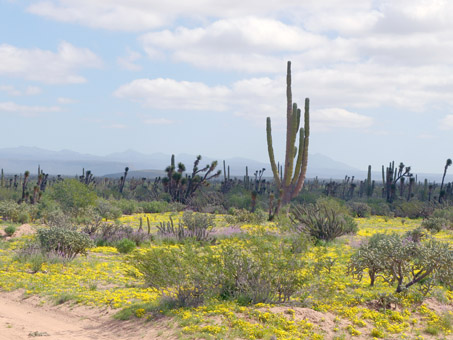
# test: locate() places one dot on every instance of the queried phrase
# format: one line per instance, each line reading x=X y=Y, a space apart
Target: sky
x=201 y=76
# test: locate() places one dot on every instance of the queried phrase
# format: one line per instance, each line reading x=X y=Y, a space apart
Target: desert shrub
x=360 y=209
x=125 y=246
x=238 y=200
x=155 y=207
x=412 y=209
x=241 y=216
x=248 y=270
x=380 y=208
x=446 y=213
x=71 y=195
x=19 y=213
x=192 y=226
x=128 y=207
x=325 y=220
x=107 y=209
x=185 y=274
x=259 y=270
x=109 y=234
x=435 y=224
x=63 y=242
x=398 y=259
x=10 y=230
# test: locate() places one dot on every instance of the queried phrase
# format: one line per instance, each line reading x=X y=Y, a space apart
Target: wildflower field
x=326 y=303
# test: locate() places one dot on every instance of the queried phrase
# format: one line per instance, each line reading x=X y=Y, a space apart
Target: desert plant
x=186 y=273
x=63 y=242
x=10 y=230
x=125 y=246
x=325 y=220
x=360 y=209
x=294 y=175
x=258 y=270
x=192 y=226
x=398 y=259
x=435 y=224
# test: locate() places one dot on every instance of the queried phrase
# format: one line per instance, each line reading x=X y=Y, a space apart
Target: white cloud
x=326 y=119
x=158 y=121
x=12 y=91
x=25 y=110
x=64 y=100
x=171 y=94
x=47 y=66
x=446 y=123
x=32 y=90
x=253 y=99
x=114 y=126
x=128 y=62
x=139 y=15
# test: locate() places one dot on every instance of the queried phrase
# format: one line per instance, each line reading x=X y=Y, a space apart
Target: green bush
x=63 y=242
x=241 y=216
x=259 y=270
x=185 y=274
x=10 y=230
x=125 y=246
x=71 y=195
x=155 y=207
x=360 y=209
x=107 y=209
x=325 y=220
x=401 y=260
x=248 y=270
x=435 y=224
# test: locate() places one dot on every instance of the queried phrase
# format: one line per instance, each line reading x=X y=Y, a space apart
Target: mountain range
x=70 y=163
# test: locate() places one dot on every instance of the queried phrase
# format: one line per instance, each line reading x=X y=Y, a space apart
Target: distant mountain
x=71 y=163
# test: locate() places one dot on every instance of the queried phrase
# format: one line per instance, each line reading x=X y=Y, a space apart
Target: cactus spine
x=293 y=175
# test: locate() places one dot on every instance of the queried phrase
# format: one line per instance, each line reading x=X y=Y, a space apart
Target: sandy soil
x=28 y=318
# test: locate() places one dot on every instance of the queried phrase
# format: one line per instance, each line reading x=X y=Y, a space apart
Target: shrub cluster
x=403 y=260
x=65 y=243
x=250 y=271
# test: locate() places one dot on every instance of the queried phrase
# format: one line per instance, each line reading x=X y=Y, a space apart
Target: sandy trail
x=26 y=319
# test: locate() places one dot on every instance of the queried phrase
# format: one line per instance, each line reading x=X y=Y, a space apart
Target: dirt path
x=25 y=319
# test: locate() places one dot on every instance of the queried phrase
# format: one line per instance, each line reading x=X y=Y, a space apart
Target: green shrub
x=241 y=216
x=435 y=224
x=185 y=274
x=360 y=209
x=398 y=259
x=125 y=246
x=259 y=270
x=248 y=270
x=63 y=242
x=71 y=195
x=10 y=230
x=107 y=209
x=412 y=209
x=155 y=207
x=192 y=226
x=325 y=220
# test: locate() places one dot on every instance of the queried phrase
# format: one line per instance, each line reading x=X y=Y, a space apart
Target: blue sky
x=201 y=77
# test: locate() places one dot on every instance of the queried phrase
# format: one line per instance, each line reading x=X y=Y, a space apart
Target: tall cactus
x=294 y=174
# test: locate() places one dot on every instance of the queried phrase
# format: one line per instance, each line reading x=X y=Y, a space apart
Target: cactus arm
x=299 y=156
x=303 y=171
x=270 y=150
